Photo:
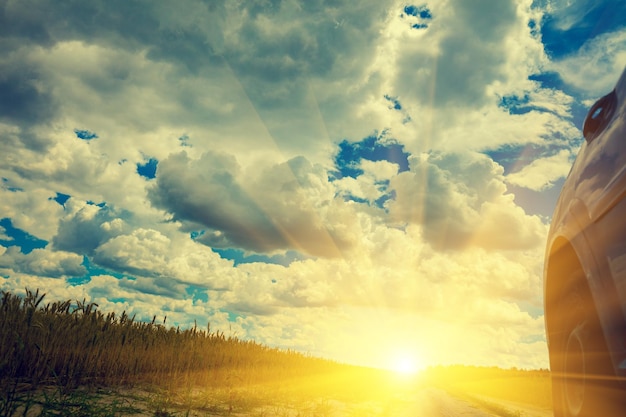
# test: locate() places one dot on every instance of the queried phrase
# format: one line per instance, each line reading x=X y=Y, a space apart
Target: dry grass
x=69 y=345
x=67 y=358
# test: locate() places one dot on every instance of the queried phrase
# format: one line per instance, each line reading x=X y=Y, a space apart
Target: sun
x=406 y=365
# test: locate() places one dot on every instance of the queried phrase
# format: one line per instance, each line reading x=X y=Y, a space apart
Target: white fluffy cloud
x=542 y=173
x=460 y=199
x=43 y=263
x=149 y=253
x=593 y=69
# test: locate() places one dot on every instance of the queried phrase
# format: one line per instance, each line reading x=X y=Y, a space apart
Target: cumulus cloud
x=541 y=174
x=31 y=209
x=43 y=263
x=88 y=227
x=460 y=199
x=467 y=58
x=285 y=206
x=149 y=253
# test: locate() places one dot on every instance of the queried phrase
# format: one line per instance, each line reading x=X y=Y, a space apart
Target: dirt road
x=436 y=403
x=423 y=402
x=415 y=401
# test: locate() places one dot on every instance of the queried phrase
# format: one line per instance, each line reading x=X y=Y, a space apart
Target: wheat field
x=67 y=358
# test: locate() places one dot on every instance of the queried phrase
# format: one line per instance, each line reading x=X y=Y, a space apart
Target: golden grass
x=61 y=354
x=532 y=387
x=69 y=345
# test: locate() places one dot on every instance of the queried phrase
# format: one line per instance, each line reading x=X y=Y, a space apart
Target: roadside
x=505 y=408
x=416 y=400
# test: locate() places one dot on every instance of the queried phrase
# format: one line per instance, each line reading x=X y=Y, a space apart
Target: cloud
x=32 y=211
x=541 y=174
x=43 y=263
x=286 y=206
x=460 y=199
x=371 y=185
x=150 y=253
x=3 y=235
x=596 y=66
x=458 y=60
x=87 y=227
x=23 y=102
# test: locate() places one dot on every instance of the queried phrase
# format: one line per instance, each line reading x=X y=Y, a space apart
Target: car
x=585 y=270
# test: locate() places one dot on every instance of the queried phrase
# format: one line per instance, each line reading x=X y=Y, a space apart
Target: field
x=67 y=358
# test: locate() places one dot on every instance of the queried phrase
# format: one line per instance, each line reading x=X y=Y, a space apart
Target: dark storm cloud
x=20 y=23
x=22 y=101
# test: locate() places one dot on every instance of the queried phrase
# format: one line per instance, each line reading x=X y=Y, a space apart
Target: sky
x=361 y=181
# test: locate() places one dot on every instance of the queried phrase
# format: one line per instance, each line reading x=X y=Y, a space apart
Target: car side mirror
x=599 y=116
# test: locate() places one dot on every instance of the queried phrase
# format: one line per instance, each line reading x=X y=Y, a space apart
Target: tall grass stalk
x=67 y=345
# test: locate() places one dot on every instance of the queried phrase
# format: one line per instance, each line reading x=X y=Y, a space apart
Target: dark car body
x=585 y=270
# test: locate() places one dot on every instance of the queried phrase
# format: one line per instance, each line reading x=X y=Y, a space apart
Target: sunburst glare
x=406 y=364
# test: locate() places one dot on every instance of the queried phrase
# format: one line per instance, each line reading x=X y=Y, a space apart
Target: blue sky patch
x=350 y=197
x=516 y=105
x=566 y=31
x=550 y=80
x=420 y=13
x=540 y=203
x=85 y=134
x=75 y=281
x=532 y=25
x=94 y=270
x=197 y=233
x=19 y=237
x=61 y=198
x=395 y=103
x=380 y=202
x=350 y=155
x=93 y=203
x=148 y=170
x=197 y=293
x=7 y=186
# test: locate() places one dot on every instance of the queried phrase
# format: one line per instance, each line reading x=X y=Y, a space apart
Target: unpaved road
x=438 y=403
x=423 y=402
x=434 y=402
